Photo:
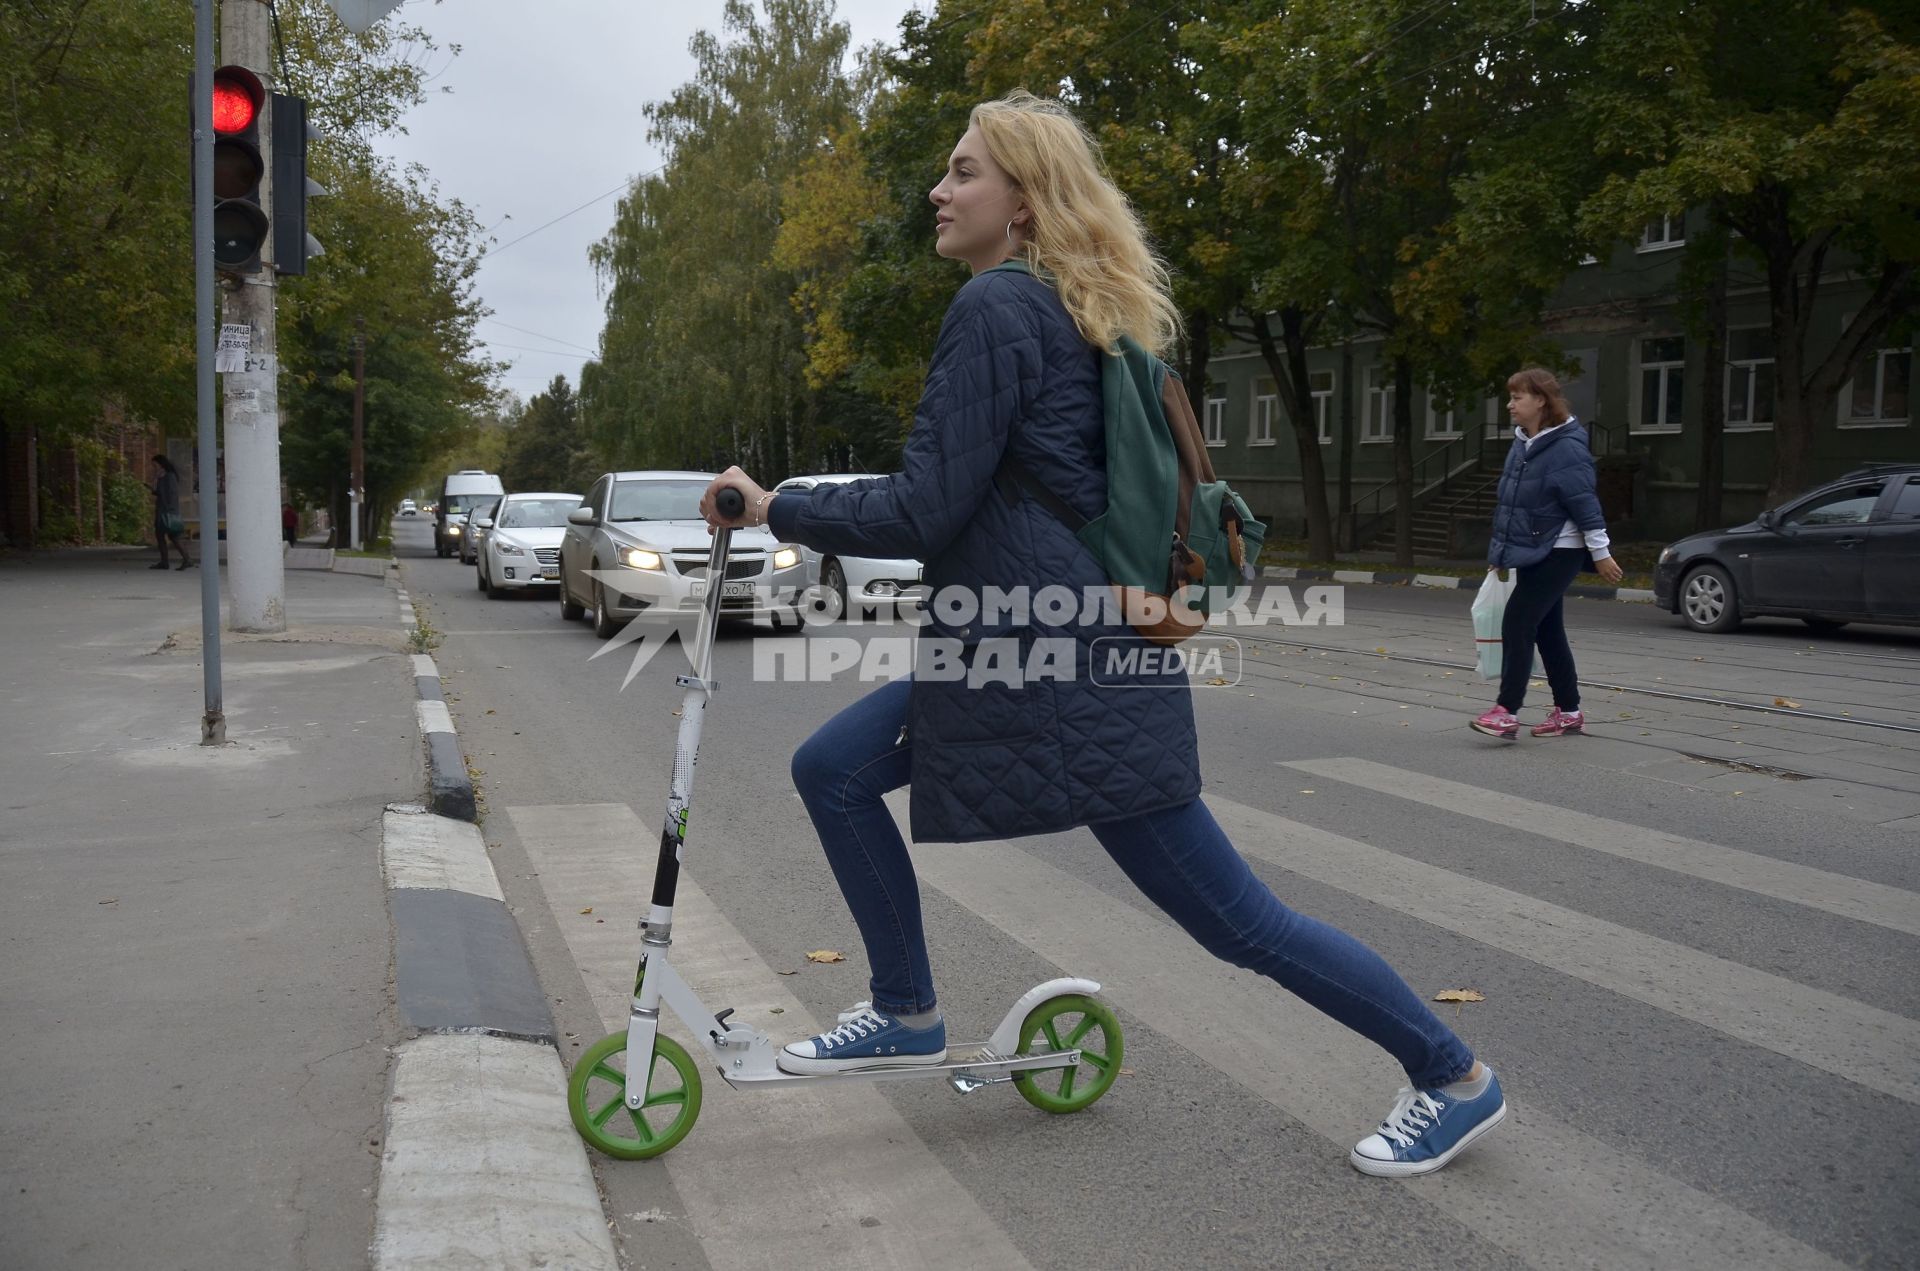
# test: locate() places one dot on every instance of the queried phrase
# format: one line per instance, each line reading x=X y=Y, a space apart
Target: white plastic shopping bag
x=1489 y=609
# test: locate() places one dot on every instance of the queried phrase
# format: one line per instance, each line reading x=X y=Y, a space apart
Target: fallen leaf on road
x=587 y=910
x=826 y=955
x=776 y=1010
x=787 y=973
x=489 y=712
x=1126 y=1072
x=1219 y=683
x=1459 y=995
x=111 y=900
x=1790 y=705
x=1379 y=648
x=1306 y=792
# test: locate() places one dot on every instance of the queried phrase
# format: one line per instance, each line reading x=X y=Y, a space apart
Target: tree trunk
x=1713 y=401
x=1346 y=445
x=1199 y=352
x=1402 y=461
x=1290 y=376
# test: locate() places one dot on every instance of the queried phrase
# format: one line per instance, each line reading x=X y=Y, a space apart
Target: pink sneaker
x=1560 y=723
x=1497 y=723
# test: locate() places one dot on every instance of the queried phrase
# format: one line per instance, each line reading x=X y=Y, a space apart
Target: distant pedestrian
x=1547 y=528
x=166 y=513
x=289 y=523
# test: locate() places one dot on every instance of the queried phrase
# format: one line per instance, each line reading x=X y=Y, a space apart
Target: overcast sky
x=545 y=115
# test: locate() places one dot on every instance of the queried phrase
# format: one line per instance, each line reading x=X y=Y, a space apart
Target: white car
x=516 y=544
x=407 y=508
x=637 y=543
x=869 y=583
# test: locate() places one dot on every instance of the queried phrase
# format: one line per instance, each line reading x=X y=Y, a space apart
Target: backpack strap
x=1013 y=478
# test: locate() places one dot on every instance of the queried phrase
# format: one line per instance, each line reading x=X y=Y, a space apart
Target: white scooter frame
x=744 y=1056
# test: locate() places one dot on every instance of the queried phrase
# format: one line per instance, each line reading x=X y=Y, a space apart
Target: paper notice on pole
x=245 y=399
x=236 y=341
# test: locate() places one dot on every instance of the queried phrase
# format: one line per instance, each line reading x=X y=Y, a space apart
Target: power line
x=541 y=335
x=598 y=198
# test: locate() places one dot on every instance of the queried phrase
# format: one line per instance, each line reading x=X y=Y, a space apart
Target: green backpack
x=1175 y=541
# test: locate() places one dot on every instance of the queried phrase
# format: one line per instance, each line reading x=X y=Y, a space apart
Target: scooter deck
x=967 y=1066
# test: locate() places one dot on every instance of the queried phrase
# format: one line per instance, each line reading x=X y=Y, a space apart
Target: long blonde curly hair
x=1085 y=238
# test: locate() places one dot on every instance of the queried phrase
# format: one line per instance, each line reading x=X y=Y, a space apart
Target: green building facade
x=1639 y=387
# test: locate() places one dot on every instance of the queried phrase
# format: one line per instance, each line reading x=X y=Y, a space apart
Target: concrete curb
x=1402 y=578
x=480 y=1166
x=449 y=788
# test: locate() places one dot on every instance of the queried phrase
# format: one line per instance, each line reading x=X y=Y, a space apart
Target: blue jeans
x=1178 y=857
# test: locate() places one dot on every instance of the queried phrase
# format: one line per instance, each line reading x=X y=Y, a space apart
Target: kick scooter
x=1059 y=1045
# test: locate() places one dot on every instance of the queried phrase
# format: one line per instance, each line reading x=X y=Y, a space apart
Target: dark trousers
x=1533 y=621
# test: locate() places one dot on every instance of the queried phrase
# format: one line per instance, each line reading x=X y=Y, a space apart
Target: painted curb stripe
x=481 y=1167
x=433 y=717
x=426 y=852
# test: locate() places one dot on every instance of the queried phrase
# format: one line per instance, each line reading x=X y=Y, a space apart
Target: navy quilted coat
x=993 y=759
x=1542 y=488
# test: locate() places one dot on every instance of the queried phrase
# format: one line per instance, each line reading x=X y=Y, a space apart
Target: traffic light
x=293 y=246
x=239 y=222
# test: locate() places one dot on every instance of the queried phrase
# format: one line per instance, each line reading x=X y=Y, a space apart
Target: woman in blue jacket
x=1547 y=527
x=1017 y=372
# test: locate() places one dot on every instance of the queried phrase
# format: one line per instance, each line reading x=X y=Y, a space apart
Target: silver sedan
x=871 y=584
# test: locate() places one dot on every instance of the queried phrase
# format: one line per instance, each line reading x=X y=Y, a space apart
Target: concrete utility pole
x=256 y=564
x=358 y=477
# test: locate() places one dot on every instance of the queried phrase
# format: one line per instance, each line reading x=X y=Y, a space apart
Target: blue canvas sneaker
x=1426 y=1129
x=866 y=1038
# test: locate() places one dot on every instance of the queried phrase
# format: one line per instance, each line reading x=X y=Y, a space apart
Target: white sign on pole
x=236 y=341
x=361 y=14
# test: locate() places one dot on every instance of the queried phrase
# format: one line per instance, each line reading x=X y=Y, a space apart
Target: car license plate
x=728 y=590
x=550 y=572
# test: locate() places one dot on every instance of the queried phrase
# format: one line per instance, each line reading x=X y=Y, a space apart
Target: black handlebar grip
x=730 y=503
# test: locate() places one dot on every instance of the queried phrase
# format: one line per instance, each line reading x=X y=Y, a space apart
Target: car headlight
x=453 y=529
x=639 y=558
x=786 y=558
x=507 y=548
x=1666 y=554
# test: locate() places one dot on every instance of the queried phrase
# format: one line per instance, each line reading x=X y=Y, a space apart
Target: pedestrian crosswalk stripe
x=1859 y=899
x=743 y=1172
x=1550 y=1194
x=1859 y=1043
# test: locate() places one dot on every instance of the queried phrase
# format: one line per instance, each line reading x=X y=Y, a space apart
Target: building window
x=1266 y=409
x=1880 y=395
x=1377 y=426
x=1216 y=421
x=1664 y=232
x=1321 y=384
x=1661 y=384
x=1749 y=379
x=1442 y=425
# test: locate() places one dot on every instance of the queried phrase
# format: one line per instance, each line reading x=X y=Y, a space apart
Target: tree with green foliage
x=704 y=353
x=1807 y=146
x=547 y=447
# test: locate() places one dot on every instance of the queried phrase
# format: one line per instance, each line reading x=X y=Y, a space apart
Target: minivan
x=459 y=494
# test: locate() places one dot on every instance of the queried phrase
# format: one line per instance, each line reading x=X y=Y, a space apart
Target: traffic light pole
x=357 y=478
x=213 y=722
x=256 y=565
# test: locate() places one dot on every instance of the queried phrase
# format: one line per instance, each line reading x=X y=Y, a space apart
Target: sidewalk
x=196 y=953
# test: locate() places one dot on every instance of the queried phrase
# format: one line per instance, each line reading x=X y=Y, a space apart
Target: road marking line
x=1539 y=1188
x=1856 y=1042
x=752 y=1164
x=1863 y=901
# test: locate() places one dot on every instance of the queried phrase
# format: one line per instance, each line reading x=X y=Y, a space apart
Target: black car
x=1846 y=552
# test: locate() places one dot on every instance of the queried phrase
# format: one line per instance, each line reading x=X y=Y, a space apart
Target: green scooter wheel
x=596 y=1099
x=1067 y=1023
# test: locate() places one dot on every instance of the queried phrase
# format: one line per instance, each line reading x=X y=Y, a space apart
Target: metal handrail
x=1468 y=442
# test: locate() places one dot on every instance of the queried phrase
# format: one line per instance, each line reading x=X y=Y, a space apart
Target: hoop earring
x=1011 y=240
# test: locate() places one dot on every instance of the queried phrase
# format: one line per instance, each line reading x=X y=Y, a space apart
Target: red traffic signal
x=237 y=94
x=239 y=221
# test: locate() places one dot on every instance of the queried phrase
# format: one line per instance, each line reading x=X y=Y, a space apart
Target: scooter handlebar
x=730 y=503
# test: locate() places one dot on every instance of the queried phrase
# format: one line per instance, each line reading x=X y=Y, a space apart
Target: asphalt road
x=1695 y=931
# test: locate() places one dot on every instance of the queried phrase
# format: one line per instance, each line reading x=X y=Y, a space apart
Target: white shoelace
x=1414 y=1113
x=863 y=1022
